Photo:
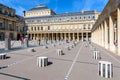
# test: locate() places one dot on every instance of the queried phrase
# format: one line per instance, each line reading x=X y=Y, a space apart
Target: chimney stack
x=24 y=12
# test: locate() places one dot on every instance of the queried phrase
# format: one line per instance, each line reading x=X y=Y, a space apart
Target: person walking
x=39 y=41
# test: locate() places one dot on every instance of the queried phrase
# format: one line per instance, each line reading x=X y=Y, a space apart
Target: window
x=48 y=27
x=38 y=28
x=10 y=27
x=93 y=17
x=1 y=26
x=89 y=17
x=0 y=10
x=88 y=26
x=2 y=36
x=80 y=17
x=11 y=36
x=6 y=13
x=84 y=26
x=35 y=28
x=41 y=28
x=31 y=28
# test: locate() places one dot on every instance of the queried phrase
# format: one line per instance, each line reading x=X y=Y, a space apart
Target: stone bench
x=3 y=55
x=42 y=61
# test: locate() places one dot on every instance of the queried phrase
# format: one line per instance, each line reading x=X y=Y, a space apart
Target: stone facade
x=45 y=24
x=106 y=31
x=10 y=24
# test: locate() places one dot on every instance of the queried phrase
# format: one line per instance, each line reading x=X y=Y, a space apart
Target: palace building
x=106 y=31
x=11 y=25
x=43 y=23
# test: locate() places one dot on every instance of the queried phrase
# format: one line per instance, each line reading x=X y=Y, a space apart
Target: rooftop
x=39 y=8
x=65 y=14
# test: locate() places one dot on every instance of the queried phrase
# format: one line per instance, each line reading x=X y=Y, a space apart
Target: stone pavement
x=76 y=64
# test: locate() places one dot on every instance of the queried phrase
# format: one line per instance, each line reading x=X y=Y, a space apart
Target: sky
x=58 y=6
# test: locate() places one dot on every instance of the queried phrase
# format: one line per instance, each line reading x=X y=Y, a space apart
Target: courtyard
x=76 y=63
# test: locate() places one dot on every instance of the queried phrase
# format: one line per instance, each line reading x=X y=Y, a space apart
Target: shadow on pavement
x=10 y=75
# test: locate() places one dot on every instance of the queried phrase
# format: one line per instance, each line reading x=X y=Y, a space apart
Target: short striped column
x=105 y=69
x=42 y=61
x=31 y=50
x=59 y=52
x=3 y=55
x=96 y=55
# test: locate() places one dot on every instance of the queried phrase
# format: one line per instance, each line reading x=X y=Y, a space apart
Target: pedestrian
x=39 y=41
x=22 y=40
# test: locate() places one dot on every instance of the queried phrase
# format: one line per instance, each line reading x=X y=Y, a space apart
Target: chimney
x=24 y=12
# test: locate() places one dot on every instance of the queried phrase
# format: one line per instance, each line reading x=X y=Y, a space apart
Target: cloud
x=55 y=9
x=89 y=4
x=56 y=6
x=13 y=4
x=44 y=1
x=20 y=10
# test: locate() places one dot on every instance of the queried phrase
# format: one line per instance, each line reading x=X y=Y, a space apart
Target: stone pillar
x=69 y=36
x=106 y=35
x=105 y=69
x=42 y=61
x=60 y=52
x=73 y=36
x=96 y=55
x=41 y=36
x=37 y=36
x=118 y=26
x=34 y=37
x=102 y=35
x=77 y=36
x=111 y=32
x=52 y=37
x=99 y=35
x=86 y=36
x=82 y=36
x=7 y=41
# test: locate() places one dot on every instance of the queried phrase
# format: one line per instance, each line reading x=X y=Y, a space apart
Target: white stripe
x=74 y=61
x=27 y=59
x=111 y=56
